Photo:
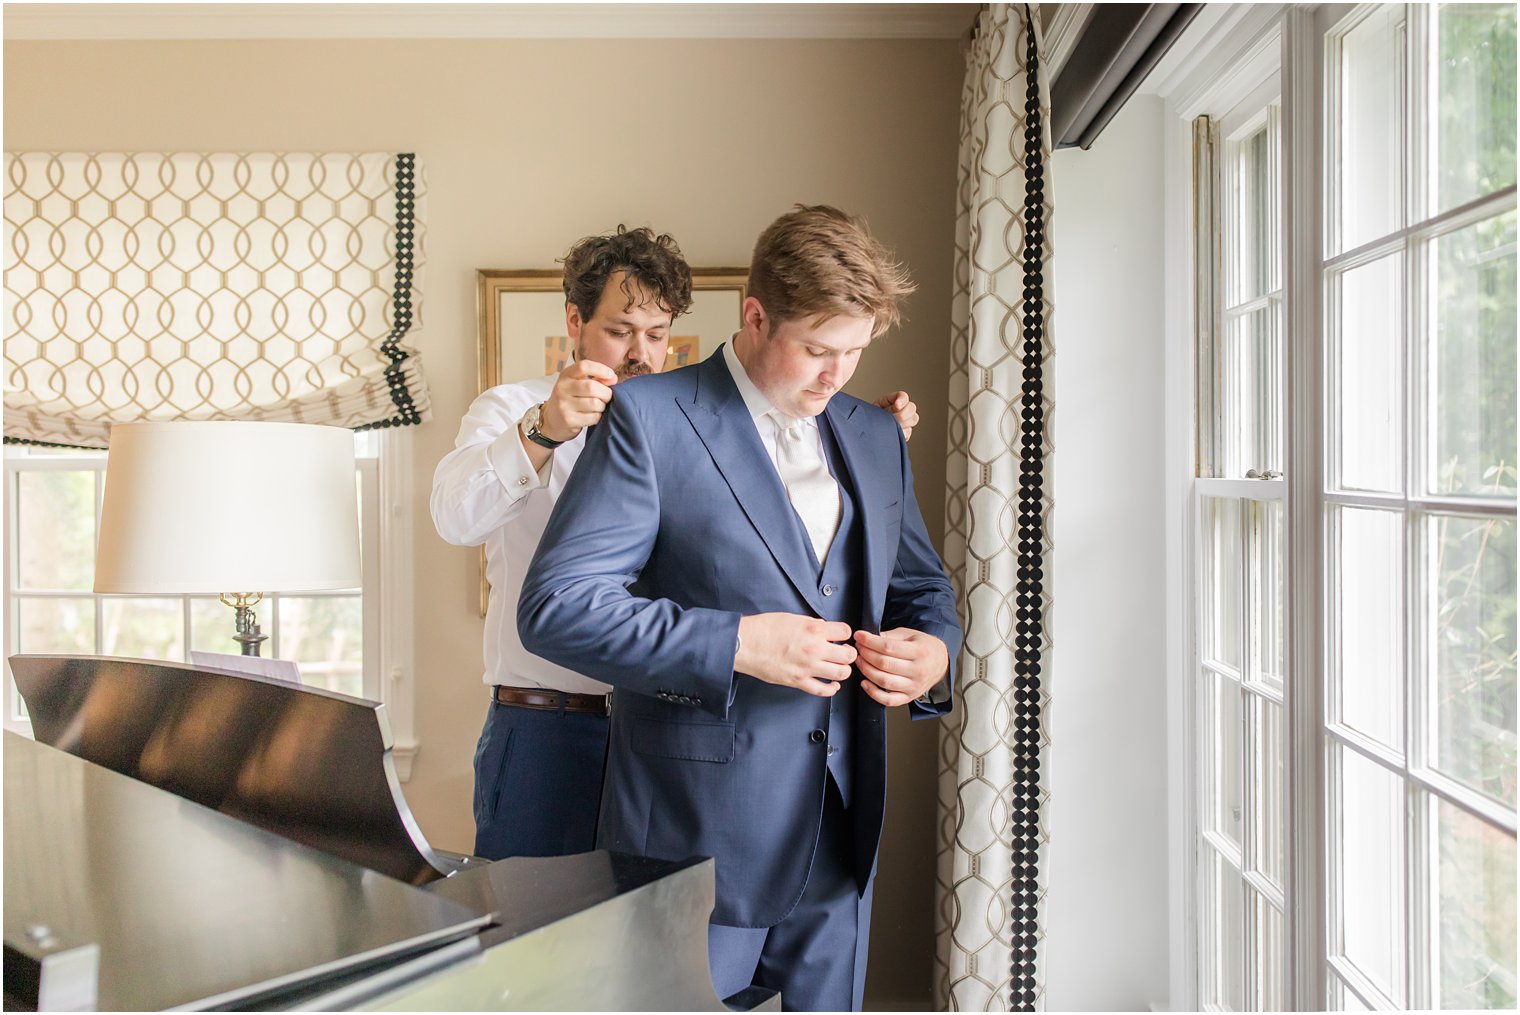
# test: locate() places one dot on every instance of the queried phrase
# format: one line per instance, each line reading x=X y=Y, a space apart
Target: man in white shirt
x=539 y=760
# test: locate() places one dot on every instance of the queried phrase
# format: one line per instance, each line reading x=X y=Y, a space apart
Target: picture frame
x=523 y=335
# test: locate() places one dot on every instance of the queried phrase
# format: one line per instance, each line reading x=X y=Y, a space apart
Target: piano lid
x=191 y=908
x=310 y=765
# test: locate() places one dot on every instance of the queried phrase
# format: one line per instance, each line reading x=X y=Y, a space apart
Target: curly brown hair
x=653 y=262
x=819 y=260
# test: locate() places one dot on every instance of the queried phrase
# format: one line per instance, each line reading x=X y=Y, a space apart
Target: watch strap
x=534 y=419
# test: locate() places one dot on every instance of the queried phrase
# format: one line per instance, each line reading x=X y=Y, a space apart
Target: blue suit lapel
x=872 y=494
x=722 y=421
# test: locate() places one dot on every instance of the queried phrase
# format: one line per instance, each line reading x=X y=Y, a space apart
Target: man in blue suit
x=740 y=554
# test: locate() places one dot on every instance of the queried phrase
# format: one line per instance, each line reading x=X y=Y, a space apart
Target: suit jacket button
x=817 y=736
x=828 y=590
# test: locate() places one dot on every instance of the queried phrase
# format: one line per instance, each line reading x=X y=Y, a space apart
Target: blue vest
x=840 y=582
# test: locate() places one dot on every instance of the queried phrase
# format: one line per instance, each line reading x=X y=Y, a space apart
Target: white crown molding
x=1223 y=41
x=1062 y=27
x=43 y=21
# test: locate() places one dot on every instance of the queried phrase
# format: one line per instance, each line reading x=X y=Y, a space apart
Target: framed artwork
x=522 y=322
x=523 y=334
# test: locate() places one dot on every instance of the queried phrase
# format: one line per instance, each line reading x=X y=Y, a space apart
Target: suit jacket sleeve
x=919 y=596
x=576 y=608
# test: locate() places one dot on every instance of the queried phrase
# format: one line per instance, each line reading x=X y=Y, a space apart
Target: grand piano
x=179 y=837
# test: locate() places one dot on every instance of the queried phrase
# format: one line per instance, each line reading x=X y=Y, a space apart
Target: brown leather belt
x=552 y=701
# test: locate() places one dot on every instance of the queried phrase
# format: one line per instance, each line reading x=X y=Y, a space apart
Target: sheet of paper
x=277 y=669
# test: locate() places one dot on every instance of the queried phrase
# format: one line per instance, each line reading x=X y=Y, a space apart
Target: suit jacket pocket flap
x=688 y=741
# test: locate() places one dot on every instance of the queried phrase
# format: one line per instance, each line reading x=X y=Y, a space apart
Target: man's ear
x=753 y=316
x=573 y=322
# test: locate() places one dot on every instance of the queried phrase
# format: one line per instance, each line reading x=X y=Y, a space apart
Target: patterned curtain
x=209 y=286
x=992 y=839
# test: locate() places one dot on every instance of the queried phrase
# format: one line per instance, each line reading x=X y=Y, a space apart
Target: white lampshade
x=224 y=507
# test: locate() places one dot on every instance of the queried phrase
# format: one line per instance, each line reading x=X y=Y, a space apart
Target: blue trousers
x=538 y=781
x=816 y=957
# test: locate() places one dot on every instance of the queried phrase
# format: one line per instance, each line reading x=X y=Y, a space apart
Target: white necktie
x=812 y=490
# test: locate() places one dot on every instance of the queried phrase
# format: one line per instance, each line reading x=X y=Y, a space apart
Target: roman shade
x=223 y=286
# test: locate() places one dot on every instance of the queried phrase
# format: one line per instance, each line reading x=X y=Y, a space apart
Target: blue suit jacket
x=673 y=525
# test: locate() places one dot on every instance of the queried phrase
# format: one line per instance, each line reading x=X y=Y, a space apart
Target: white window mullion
x=9 y=711
x=1418 y=854
x=269 y=613
x=1369 y=748
x=1457 y=795
x=1244 y=490
x=370 y=506
x=1263 y=885
x=1364 y=991
x=1476 y=506
x=100 y=613
x=1306 y=912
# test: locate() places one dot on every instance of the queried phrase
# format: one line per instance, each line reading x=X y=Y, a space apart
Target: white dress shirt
x=486 y=491
x=763 y=414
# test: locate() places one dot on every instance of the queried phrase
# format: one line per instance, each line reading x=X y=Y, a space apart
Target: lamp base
x=247 y=627
x=250 y=640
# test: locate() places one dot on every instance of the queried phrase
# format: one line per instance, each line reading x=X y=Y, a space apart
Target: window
x=1352 y=800
x=1419 y=504
x=52 y=500
x=1237 y=499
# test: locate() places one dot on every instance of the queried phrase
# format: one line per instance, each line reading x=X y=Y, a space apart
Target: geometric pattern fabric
x=993 y=771
x=209 y=286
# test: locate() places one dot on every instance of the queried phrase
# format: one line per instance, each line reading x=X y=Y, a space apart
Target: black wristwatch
x=531 y=421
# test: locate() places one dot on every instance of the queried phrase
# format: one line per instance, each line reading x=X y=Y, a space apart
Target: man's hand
x=795 y=651
x=901 y=664
x=580 y=395
x=900 y=405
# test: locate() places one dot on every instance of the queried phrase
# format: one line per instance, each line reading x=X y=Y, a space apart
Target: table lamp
x=235 y=509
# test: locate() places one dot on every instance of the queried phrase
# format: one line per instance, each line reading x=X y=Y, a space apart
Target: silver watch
x=531 y=421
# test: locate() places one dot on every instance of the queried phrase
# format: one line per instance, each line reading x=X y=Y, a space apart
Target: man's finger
x=835 y=657
x=898 y=648
x=597 y=371
x=890 y=699
x=836 y=630
x=821 y=688
x=829 y=671
x=887 y=680
x=592 y=388
x=882 y=662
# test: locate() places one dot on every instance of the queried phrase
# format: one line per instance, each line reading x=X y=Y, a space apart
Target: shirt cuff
x=936 y=695
x=510 y=461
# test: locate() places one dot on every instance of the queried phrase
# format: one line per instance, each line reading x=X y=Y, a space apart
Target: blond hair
x=818 y=260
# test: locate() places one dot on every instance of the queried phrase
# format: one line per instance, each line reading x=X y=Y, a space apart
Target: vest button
x=817 y=736
x=828 y=590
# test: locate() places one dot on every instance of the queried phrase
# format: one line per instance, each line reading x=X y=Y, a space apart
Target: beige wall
x=528 y=145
